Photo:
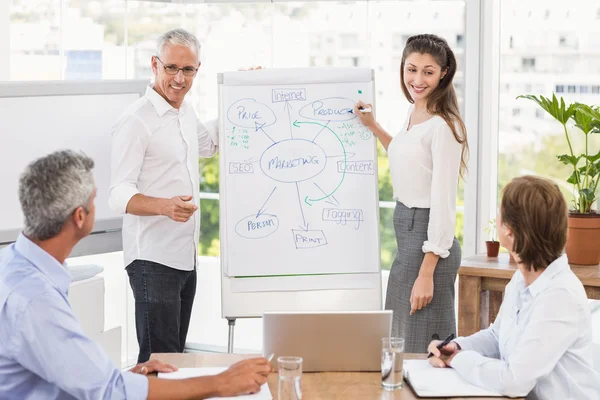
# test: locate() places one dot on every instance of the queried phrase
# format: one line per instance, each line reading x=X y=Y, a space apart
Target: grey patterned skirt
x=411 y=225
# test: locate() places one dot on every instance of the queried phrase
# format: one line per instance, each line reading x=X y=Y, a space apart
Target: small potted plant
x=493 y=246
x=584 y=222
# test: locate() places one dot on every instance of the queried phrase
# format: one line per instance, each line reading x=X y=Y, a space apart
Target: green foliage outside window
x=587 y=119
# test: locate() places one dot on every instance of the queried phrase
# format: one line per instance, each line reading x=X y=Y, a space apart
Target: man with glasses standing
x=155 y=183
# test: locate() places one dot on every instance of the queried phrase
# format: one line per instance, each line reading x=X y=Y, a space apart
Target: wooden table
x=481 y=283
x=315 y=385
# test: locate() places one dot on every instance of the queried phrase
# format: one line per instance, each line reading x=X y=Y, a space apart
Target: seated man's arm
x=244 y=377
x=52 y=345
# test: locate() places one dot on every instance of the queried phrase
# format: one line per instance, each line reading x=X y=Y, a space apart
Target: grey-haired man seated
x=44 y=353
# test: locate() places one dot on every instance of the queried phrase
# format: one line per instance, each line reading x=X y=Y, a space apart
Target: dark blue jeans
x=163 y=306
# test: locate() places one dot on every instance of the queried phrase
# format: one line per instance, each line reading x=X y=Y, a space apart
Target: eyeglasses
x=174 y=69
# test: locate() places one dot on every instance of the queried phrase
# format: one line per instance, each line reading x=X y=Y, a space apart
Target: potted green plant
x=492 y=245
x=583 y=243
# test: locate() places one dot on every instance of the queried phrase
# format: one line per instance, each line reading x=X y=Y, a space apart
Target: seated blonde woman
x=540 y=345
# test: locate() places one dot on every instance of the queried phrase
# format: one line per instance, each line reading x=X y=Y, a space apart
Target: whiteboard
x=37 y=118
x=299 y=210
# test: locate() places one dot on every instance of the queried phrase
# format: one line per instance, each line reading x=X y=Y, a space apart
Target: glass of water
x=392 y=358
x=290 y=377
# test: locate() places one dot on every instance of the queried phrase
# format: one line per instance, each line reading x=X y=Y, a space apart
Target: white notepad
x=182 y=373
x=428 y=381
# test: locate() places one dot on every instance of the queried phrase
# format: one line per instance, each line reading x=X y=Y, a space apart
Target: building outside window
x=530 y=144
x=528 y=63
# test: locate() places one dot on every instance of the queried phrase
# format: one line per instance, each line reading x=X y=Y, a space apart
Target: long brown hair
x=442 y=101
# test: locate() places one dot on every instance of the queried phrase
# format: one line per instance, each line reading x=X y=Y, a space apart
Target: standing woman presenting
x=426 y=159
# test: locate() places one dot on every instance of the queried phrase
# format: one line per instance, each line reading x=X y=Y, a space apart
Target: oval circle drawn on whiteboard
x=257 y=227
x=248 y=113
x=330 y=109
x=293 y=160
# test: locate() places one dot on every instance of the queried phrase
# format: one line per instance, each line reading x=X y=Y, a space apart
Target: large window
x=35 y=40
x=546 y=47
x=114 y=39
x=67 y=39
x=87 y=39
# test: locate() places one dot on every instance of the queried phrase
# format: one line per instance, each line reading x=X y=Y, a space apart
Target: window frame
x=482 y=83
x=5 y=38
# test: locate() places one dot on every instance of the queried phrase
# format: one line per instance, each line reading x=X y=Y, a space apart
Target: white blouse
x=424 y=167
x=540 y=344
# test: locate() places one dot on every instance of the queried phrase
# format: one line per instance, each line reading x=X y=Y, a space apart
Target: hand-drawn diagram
x=298 y=156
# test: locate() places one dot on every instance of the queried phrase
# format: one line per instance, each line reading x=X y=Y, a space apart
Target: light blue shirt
x=44 y=353
x=540 y=345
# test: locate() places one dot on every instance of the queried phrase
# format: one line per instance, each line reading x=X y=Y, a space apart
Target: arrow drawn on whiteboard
x=323 y=127
x=332 y=196
x=259 y=127
x=251 y=160
x=288 y=107
x=262 y=208
x=306 y=199
x=304 y=224
x=348 y=155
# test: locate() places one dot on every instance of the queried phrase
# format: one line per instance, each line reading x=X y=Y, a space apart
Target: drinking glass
x=290 y=377
x=392 y=358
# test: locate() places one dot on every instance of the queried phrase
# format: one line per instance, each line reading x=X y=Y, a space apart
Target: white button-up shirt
x=155 y=150
x=424 y=169
x=540 y=345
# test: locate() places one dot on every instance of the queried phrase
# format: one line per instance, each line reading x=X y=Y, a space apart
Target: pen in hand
x=270 y=357
x=363 y=110
x=445 y=342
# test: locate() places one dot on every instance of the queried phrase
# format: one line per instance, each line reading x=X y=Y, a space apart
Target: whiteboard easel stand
x=231 y=323
x=350 y=300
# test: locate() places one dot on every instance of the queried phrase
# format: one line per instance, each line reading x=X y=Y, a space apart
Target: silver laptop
x=328 y=341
